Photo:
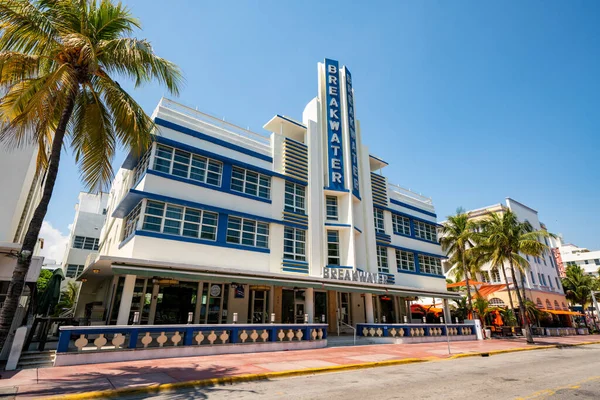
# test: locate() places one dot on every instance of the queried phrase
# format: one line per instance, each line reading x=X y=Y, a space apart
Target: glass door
x=258 y=306
x=213 y=309
x=344 y=308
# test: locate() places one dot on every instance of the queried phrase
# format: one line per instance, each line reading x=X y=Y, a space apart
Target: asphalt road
x=570 y=373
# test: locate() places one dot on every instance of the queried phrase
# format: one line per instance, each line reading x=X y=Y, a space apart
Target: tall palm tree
x=578 y=286
x=509 y=238
x=56 y=62
x=456 y=237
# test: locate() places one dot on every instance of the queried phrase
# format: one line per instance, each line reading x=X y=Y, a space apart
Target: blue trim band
x=359 y=231
x=399 y=203
x=203 y=136
x=339 y=266
x=336 y=190
x=338 y=225
x=207 y=186
x=178 y=238
x=418 y=252
x=293 y=122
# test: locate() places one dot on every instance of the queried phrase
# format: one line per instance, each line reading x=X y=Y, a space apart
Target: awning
x=421 y=308
x=464 y=283
x=486 y=290
x=560 y=312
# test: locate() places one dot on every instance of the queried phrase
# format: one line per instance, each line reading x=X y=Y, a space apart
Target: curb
x=152 y=389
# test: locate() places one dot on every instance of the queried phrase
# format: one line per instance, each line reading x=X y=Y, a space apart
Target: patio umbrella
x=464 y=283
x=49 y=299
x=498 y=320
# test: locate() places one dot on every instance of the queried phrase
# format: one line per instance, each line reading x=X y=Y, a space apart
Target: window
x=181 y=221
x=294 y=197
x=495 y=275
x=550 y=281
x=586 y=262
x=485 y=276
x=333 y=248
x=405 y=260
x=73 y=270
x=104 y=210
x=250 y=182
x=496 y=302
x=532 y=278
x=544 y=280
x=131 y=221
x=430 y=265
x=557 y=282
x=548 y=305
x=597 y=261
x=544 y=260
x=382 y=260
x=425 y=231
x=332 y=208
x=401 y=224
x=142 y=166
x=187 y=165
x=540 y=279
x=294 y=244
x=85 y=243
x=379 y=221
x=247 y=232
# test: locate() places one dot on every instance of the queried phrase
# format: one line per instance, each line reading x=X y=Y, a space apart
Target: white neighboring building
x=21 y=193
x=541 y=280
x=570 y=254
x=84 y=238
x=216 y=220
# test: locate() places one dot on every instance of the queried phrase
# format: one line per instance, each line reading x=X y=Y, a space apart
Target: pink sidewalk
x=36 y=383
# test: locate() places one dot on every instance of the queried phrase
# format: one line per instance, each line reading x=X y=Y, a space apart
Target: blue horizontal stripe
x=203 y=136
x=293 y=122
x=402 y=214
x=417 y=252
x=178 y=238
x=226 y=160
x=410 y=207
x=340 y=225
x=336 y=190
x=285 y=269
x=340 y=266
x=290 y=262
x=207 y=186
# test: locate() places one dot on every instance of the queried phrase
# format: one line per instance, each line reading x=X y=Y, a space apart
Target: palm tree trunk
x=15 y=288
x=469 y=299
x=521 y=305
x=510 y=299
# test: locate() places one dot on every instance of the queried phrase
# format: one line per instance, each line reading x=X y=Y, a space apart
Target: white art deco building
x=216 y=221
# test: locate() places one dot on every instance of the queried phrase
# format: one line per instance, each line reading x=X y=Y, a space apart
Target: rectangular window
x=333 y=248
x=379 y=221
x=131 y=221
x=142 y=166
x=382 y=259
x=247 y=232
x=532 y=278
x=557 y=282
x=332 y=208
x=295 y=197
x=294 y=244
x=485 y=276
x=495 y=275
x=430 y=265
x=597 y=261
x=187 y=165
x=250 y=182
x=85 y=243
x=425 y=231
x=401 y=224
x=550 y=281
x=544 y=260
x=180 y=221
x=540 y=279
x=586 y=262
x=73 y=270
x=405 y=260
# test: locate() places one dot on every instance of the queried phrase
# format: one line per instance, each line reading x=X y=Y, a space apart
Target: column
x=126 y=298
x=153 y=301
x=397 y=309
x=309 y=304
x=271 y=305
x=447 y=314
x=369 y=308
x=198 y=304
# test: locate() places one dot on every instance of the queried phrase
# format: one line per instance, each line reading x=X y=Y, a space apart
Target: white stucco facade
x=570 y=254
x=301 y=210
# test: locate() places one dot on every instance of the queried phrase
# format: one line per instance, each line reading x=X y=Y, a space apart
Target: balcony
x=406 y=196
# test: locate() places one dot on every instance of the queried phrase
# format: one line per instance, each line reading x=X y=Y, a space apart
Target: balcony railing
x=408 y=195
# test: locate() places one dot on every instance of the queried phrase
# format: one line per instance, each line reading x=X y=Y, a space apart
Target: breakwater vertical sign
x=335 y=149
x=351 y=132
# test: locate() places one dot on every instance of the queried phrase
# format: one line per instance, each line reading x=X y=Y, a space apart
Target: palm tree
x=533 y=313
x=456 y=238
x=481 y=306
x=68 y=298
x=56 y=62
x=509 y=238
x=578 y=286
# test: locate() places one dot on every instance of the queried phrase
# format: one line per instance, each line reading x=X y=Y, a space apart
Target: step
x=34 y=364
x=38 y=352
x=42 y=357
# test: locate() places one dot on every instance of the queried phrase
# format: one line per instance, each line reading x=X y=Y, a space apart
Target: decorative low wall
x=415 y=333
x=98 y=344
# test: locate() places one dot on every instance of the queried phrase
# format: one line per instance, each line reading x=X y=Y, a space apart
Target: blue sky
x=468 y=102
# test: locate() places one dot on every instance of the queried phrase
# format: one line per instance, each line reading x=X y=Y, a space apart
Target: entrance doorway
x=174 y=302
x=387 y=309
x=344 y=308
x=292 y=306
x=258 y=305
